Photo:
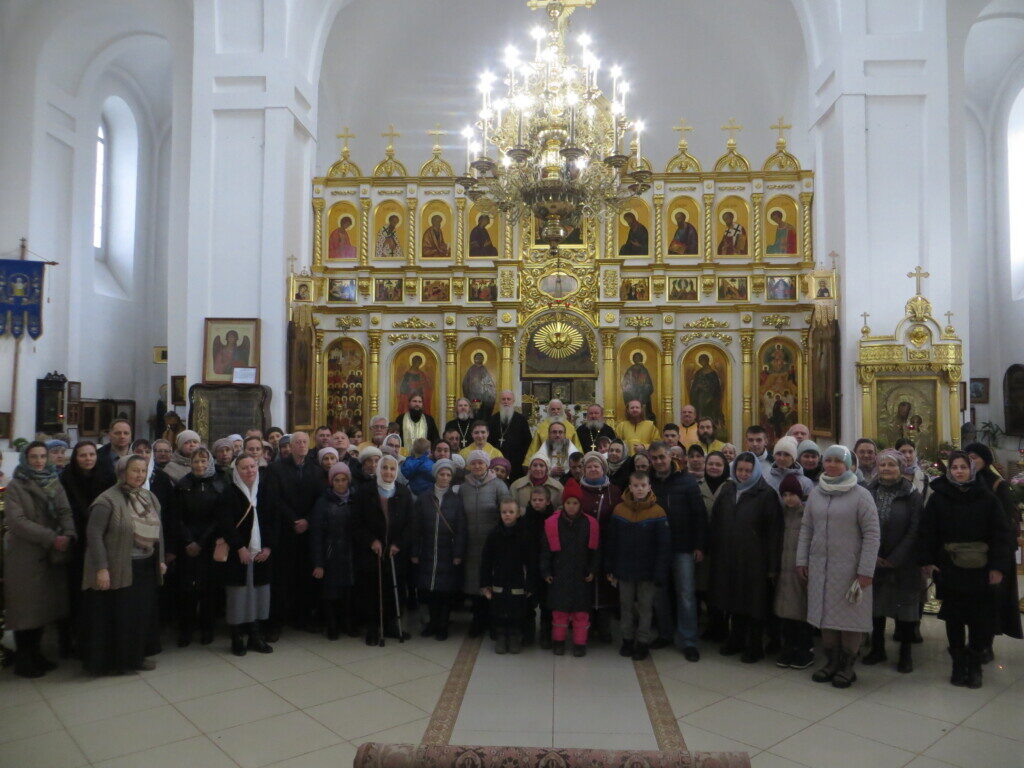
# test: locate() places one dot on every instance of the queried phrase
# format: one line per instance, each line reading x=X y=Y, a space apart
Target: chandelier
x=558 y=139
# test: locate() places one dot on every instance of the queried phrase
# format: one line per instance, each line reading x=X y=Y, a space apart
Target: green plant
x=990 y=433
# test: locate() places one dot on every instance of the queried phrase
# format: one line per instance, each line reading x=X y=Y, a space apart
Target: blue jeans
x=686 y=599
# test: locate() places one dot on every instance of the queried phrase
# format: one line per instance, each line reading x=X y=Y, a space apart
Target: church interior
x=796 y=216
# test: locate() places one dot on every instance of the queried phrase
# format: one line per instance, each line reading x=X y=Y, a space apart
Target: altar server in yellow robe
x=636 y=431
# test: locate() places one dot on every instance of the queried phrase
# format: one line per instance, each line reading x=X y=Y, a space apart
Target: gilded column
x=373 y=384
x=954 y=413
x=508 y=343
x=668 y=385
x=611 y=391
x=659 y=228
x=460 y=231
x=364 y=245
x=807 y=242
x=747 y=358
x=451 y=378
x=410 y=207
x=609 y=237
x=805 y=377
x=318 y=232
x=509 y=237
x=709 y=205
x=757 y=199
x=320 y=414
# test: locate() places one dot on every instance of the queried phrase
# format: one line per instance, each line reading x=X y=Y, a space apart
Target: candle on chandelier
x=616 y=73
x=638 y=127
x=467 y=134
x=537 y=33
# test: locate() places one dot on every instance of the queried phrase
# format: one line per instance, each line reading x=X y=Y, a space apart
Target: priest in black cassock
x=463 y=422
x=510 y=432
x=414 y=423
x=593 y=428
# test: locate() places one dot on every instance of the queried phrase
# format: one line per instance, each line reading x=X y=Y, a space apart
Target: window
x=1015 y=173
x=100 y=199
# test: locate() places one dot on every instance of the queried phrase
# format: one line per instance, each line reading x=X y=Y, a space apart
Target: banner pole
x=22 y=251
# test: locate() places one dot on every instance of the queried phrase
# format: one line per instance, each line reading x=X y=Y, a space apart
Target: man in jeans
x=679 y=495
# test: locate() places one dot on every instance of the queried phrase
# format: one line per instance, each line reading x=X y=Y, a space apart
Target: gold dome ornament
x=559 y=340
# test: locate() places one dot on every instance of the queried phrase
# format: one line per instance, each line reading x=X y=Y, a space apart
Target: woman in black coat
x=195 y=502
x=383 y=510
x=744 y=544
x=437 y=546
x=896 y=589
x=330 y=550
x=84 y=479
x=248 y=524
x=967 y=546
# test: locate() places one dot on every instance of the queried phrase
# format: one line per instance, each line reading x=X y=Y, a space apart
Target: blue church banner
x=21 y=297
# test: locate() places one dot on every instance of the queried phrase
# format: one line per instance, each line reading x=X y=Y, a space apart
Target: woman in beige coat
x=40 y=532
x=124 y=564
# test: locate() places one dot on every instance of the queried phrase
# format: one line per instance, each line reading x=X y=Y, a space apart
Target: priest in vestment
x=510 y=432
x=556 y=450
x=636 y=431
x=556 y=413
x=434 y=246
x=593 y=428
x=414 y=423
x=462 y=422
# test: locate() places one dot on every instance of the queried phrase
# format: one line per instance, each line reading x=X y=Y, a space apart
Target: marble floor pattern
x=312 y=702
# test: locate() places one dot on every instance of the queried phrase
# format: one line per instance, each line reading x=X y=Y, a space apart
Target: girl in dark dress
x=330 y=545
x=967 y=547
x=383 y=509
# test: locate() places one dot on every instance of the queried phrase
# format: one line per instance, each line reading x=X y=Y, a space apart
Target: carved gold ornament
x=609 y=317
x=707 y=321
x=480 y=321
x=507 y=285
x=506 y=317
x=918 y=336
x=558 y=340
x=415 y=323
x=640 y=321
x=707 y=285
x=344 y=323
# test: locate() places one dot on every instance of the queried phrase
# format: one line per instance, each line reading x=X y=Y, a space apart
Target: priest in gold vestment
x=556 y=412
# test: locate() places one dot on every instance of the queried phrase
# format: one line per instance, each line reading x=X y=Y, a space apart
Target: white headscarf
x=251 y=495
x=386 y=489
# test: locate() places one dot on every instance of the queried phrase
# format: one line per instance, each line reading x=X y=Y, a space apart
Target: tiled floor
x=312 y=702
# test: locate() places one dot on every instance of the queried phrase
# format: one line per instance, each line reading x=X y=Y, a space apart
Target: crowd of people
x=548 y=535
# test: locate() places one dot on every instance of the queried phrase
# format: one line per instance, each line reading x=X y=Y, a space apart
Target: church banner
x=21 y=297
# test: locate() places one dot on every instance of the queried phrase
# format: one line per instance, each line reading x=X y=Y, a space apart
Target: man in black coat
x=510 y=433
x=593 y=428
x=295 y=484
x=120 y=436
x=679 y=495
x=415 y=423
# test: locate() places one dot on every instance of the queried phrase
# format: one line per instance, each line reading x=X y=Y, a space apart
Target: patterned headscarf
x=145 y=518
x=46 y=478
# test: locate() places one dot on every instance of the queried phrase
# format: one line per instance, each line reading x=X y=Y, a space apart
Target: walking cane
x=380 y=601
x=398 y=604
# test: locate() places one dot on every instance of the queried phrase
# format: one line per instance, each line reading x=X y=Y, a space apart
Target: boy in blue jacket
x=638 y=552
x=418 y=468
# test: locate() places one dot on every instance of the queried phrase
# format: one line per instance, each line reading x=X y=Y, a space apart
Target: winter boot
x=580 y=651
x=559 y=647
x=974 y=662
x=627 y=648
x=906 y=662
x=640 y=652
x=501 y=644
x=237 y=640
x=515 y=643
x=826 y=673
x=845 y=676
x=958 y=677
x=735 y=642
x=25 y=664
x=877 y=653
x=256 y=641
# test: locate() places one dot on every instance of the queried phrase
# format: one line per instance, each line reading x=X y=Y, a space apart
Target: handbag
x=220 y=547
x=967 y=554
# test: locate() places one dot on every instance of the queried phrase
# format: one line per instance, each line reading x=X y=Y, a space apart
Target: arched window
x=114 y=207
x=1015 y=173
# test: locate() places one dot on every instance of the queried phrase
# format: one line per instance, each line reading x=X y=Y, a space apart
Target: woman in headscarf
x=837 y=554
x=246 y=522
x=809 y=456
x=40 y=536
x=327 y=458
x=383 y=509
x=124 y=564
x=481 y=494
x=437 y=546
x=330 y=546
x=180 y=463
x=897 y=585
x=912 y=466
x=224 y=458
x=195 y=502
x=392 y=446
x=716 y=472
x=967 y=547
x=600 y=497
x=743 y=541
x=1008 y=598
x=729 y=451
x=57 y=450
x=369 y=459
x=84 y=479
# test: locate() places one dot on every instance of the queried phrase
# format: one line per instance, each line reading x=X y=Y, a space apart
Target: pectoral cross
x=391 y=134
x=683 y=129
x=781 y=127
x=437 y=133
x=345 y=135
x=732 y=127
x=501 y=442
x=918 y=275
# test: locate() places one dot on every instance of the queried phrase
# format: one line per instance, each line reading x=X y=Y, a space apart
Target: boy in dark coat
x=508 y=575
x=638 y=551
x=568 y=563
x=537 y=511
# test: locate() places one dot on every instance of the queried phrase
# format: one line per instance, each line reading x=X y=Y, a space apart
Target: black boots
x=627 y=648
x=559 y=647
x=501 y=643
x=906 y=662
x=877 y=653
x=974 y=661
x=26 y=658
x=256 y=641
x=826 y=673
x=238 y=639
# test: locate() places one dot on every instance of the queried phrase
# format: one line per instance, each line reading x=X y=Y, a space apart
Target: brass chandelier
x=558 y=137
